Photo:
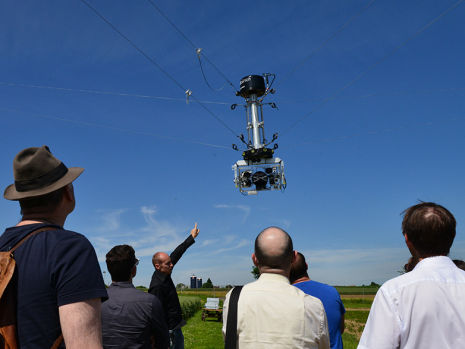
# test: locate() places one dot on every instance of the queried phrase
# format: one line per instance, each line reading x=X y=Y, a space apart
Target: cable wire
x=151 y=60
x=331 y=37
x=99 y=92
x=382 y=59
x=119 y=129
x=195 y=47
x=345 y=137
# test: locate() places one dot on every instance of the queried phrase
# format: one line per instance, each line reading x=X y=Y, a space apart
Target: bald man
x=271 y=313
x=163 y=287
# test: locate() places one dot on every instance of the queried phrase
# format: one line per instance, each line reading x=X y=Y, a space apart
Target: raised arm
x=81 y=324
x=179 y=251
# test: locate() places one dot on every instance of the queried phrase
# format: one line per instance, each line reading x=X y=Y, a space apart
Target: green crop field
x=207 y=334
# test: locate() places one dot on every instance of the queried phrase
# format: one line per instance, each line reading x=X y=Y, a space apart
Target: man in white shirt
x=271 y=313
x=423 y=308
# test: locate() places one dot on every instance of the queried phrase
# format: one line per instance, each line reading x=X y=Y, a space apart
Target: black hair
x=41 y=204
x=298 y=268
x=120 y=261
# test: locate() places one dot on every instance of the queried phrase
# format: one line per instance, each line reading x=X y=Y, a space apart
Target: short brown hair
x=120 y=261
x=430 y=228
x=41 y=204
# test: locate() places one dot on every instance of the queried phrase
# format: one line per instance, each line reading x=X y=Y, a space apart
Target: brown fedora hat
x=37 y=172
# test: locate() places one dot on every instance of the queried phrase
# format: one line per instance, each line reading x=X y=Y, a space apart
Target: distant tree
x=229 y=286
x=374 y=284
x=255 y=272
x=180 y=286
x=208 y=284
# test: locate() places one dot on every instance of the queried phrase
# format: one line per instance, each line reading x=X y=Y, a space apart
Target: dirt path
x=359 y=296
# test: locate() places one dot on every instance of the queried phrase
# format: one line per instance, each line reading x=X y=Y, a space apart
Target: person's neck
x=282 y=272
x=301 y=279
x=33 y=219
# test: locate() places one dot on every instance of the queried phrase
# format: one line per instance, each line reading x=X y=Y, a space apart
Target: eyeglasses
x=136 y=263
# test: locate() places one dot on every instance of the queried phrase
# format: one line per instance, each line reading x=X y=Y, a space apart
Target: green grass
x=207 y=334
x=200 y=334
x=189 y=306
x=349 y=341
x=357 y=290
x=357 y=303
x=360 y=316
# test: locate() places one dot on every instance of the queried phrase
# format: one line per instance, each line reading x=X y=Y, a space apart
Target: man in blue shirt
x=59 y=282
x=131 y=318
x=327 y=294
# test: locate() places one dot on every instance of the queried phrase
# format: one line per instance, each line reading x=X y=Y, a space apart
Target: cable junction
x=110 y=93
x=151 y=60
x=197 y=49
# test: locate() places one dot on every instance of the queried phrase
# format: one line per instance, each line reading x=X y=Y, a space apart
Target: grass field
x=207 y=334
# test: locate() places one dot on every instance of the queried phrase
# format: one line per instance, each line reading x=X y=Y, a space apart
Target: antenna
x=258 y=170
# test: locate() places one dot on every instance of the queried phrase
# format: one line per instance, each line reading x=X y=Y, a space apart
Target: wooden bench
x=212 y=309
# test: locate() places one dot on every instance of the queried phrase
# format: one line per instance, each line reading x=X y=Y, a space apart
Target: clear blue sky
x=154 y=166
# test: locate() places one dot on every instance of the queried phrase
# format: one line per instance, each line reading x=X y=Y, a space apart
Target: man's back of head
x=430 y=228
x=121 y=260
x=270 y=311
x=273 y=250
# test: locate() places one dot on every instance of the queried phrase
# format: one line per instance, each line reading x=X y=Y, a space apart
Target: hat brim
x=12 y=194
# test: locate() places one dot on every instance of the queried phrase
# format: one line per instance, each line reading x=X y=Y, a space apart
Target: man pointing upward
x=163 y=287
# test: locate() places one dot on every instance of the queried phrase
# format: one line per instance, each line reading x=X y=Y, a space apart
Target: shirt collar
x=434 y=261
x=161 y=275
x=125 y=284
x=273 y=277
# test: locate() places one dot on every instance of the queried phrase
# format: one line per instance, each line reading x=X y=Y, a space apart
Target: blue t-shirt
x=333 y=307
x=54 y=268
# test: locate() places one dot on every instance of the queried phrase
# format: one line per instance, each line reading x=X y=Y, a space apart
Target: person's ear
x=254 y=259
x=68 y=192
x=157 y=266
x=133 y=271
x=294 y=257
x=410 y=246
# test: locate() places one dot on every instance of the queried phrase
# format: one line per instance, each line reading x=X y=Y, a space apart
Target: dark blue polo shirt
x=130 y=317
x=54 y=268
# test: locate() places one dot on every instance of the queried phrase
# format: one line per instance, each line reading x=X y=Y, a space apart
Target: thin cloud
x=245 y=209
x=153 y=235
x=241 y=243
x=209 y=242
x=111 y=220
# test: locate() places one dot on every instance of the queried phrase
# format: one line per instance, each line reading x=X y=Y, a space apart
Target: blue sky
x=155 y=165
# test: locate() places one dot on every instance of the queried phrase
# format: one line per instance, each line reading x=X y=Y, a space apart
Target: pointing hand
x=195 y=231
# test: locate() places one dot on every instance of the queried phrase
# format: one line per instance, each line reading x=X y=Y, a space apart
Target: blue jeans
x=176 y=339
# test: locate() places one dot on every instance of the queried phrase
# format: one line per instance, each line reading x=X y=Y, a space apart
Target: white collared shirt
x=422 y=309
x=271 y=313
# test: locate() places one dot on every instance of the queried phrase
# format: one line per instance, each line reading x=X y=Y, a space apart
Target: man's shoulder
x=130 y=294
x=53 y=236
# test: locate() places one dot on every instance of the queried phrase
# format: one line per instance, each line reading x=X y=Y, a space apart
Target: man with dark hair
x=422 y=308
x=327 y=294
x=59 y=281
x=163 y=287
x=130 y=318
x=459 y=263
x=270 y=312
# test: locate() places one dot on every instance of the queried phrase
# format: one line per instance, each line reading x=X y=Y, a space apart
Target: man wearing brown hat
x=59 y=281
